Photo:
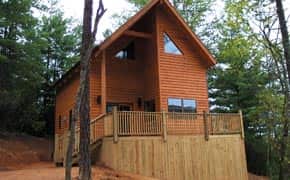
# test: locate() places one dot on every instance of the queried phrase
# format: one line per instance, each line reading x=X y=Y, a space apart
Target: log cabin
x=149 y=104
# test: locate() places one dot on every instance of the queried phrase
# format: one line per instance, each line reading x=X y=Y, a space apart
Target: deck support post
x=103 y=83
x=164 y=121
x=206 y=134
x=65 y=146
x=56 y=148
x=115 y=124
x=242 y=124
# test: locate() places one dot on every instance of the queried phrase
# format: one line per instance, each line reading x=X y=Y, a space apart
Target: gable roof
x=119 y=32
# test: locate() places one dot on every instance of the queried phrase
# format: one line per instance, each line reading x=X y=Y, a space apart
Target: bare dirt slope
x=25 y=157
x=20 y=151
x=255 y=177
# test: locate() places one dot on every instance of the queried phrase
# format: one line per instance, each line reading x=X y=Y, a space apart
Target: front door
x=124 y=107
x=120 y=106
x=149 y=106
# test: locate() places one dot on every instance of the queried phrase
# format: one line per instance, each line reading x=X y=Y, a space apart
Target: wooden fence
x=133 y=123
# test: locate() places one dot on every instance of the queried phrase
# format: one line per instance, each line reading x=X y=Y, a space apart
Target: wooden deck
x=132 y=123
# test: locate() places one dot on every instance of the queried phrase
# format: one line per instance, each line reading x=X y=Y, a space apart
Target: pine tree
x=19 y=67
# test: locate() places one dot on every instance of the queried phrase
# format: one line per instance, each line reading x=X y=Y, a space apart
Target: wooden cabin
x=149 y=101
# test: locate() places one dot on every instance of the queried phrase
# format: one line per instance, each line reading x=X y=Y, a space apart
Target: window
x=174 y=105
x=181 y=105
x=70 y=119
x=189 y=105
x=169 y=45
x=127 y=53
x=59 y=122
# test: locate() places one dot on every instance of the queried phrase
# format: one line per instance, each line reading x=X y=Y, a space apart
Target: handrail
x=98 y=118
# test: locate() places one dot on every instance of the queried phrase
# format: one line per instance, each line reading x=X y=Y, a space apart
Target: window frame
x=165 y=34
x=182 y=104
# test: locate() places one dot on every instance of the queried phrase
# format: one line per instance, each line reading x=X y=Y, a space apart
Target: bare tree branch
x=99 y=14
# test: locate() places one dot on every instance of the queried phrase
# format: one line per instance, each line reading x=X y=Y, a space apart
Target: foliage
x=249 y=77
x=59 y=45
x=19 y=87
x=26 y=42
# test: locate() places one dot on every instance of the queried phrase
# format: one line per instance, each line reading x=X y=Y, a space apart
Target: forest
x=249 y=39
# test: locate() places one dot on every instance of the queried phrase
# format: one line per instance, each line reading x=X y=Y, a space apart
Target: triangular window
x=169 y=45
x=127 y=53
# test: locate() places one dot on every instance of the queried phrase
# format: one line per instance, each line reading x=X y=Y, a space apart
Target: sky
x=74 y=8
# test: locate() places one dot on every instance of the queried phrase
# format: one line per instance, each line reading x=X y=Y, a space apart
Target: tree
x=268 y=18
x=59 y=43
x=82 y=105
x=19 y=68
x=34 y=52
x=244 y=80
x=285 y=134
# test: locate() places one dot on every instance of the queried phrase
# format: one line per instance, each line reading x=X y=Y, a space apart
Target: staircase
x=94 y=147
x=97 y=132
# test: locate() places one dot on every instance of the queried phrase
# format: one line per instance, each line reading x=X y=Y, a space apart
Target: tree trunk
x=82 y=108
x=283 y=164
x=85 y=158
x=68 y=159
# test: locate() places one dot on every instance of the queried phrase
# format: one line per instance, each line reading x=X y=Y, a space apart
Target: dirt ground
x=25 y=157
x=255 y=177
x=47 y=171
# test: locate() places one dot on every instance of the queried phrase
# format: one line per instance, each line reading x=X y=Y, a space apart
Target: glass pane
x=127 y=53
x=174 y=105
x=169 y=46
x=121 y=55
x=110 y=107
x=189 y=105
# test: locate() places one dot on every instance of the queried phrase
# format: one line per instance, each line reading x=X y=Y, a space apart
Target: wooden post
x=103 y=83
x=242 y=124
x=206 y=136
x=56 y=148
x=66 y=136
x=164 y=120
x=115 y=124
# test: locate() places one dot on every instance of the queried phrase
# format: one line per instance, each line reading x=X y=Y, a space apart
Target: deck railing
x=225 y=123
x=61 y=141
x=133 y=123
x=151 y=123
x=139 y=123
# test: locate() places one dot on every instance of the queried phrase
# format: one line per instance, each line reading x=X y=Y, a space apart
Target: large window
x=181 y=105
x=169 y=45
x=127 y=53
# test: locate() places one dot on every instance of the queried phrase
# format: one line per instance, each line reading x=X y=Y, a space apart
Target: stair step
x=93 y=147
